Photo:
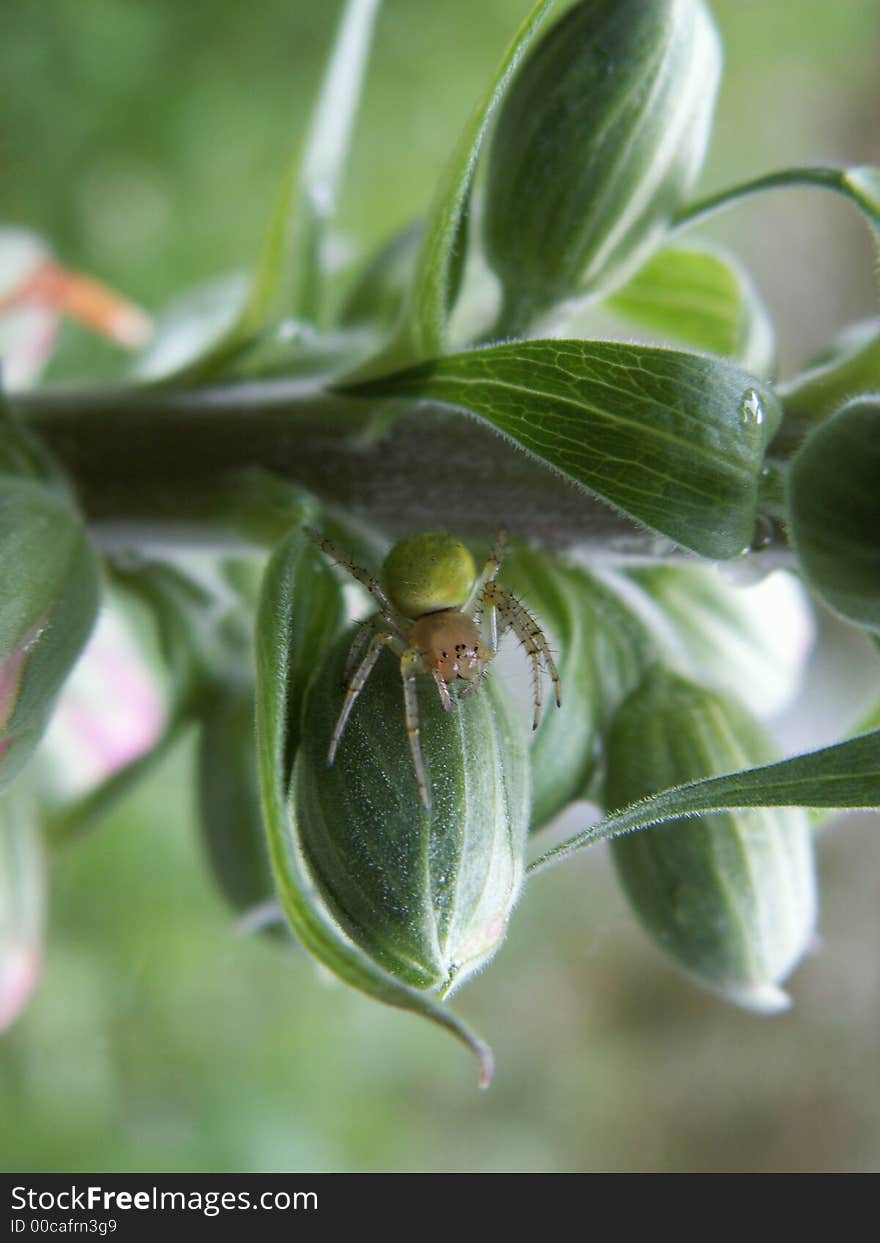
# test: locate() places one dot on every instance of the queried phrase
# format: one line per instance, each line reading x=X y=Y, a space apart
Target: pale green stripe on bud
x=729 y=896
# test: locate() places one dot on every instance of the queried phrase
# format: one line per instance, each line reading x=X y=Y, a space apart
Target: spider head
x=428 y=572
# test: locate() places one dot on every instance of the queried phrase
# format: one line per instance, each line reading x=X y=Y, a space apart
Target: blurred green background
x=145 y=139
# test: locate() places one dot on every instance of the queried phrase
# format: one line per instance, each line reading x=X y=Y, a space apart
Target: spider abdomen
x=449 y=642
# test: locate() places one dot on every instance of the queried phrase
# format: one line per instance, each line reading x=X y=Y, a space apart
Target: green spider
x=440 y=618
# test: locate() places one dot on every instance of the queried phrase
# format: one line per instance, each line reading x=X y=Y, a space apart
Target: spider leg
x=386 y=608
x=443 y=690
x=516 y=617
x=358 y=644
x=410 y=665
x=489 y=572
x=476 y=683
x=356 y=685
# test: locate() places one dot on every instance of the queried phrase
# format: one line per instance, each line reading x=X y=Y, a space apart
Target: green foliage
x=596 y=129
x=673 y=439
x=423 y=325
x=850 y=365
x=846 y=774
x=230 y=815
x=704 y=298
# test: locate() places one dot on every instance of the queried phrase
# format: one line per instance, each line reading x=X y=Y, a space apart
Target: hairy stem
x=159 y=465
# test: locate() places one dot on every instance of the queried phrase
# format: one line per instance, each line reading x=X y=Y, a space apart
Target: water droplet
x=751 y=411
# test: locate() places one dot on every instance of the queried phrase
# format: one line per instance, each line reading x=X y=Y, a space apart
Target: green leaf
x=674 y=440
x=284 y=600
x=379 y=292
x=597 y=145
x=289 y=273
x=702 y=297
x=230 y=815
x=834 y=510
x=423 y=324
x=601 y=647
x=846 y=774
x=288 y=280
x=850 y=365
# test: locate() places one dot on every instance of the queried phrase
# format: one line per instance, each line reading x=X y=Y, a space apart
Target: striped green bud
x=426 y=894
x=730 y=896
x=599 y=141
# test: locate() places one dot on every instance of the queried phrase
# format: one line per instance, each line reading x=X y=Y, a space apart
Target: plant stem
x=836 y=179
x=154 y=465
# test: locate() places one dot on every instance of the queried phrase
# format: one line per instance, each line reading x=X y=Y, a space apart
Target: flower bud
x=730 y=896
x=48 y=603
x=598 y=143
x=834 y=510
x=426 y=894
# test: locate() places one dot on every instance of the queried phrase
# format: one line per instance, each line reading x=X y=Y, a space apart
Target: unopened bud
x=730 y=896
x=427 y=894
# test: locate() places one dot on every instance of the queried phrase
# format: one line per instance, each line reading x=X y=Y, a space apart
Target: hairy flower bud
x=426 y=894
x=598 y=143
x=730 y=896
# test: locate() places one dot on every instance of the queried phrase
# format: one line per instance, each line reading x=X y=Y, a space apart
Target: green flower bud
x=730 y=896
x=834 y=510
x=598 y=143
x=229 y=800
x=426 y=895
x=49 y=600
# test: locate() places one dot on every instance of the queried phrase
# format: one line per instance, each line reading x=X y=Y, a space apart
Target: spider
x=440 y=618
